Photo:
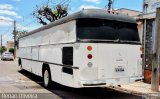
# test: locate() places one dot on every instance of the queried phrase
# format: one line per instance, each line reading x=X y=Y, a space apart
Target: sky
x=21 y=11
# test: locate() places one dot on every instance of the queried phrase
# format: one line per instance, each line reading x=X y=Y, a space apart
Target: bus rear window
x=98 y=29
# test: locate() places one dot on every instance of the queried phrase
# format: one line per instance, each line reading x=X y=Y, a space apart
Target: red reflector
x=89 y=56
x=89 y=48
x=109 y=11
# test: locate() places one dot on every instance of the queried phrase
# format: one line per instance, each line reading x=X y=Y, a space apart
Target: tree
x=18 y=35
x=3 y=49
x=49 y=13
x=11 y=50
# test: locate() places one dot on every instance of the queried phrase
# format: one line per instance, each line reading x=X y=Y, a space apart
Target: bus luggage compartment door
x=112 y=61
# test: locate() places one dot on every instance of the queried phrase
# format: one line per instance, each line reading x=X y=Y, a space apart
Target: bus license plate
x=119 y=69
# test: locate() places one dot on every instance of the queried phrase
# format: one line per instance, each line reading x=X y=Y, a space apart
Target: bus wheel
x=21 y=67
x=20 y=64
x=47 y=78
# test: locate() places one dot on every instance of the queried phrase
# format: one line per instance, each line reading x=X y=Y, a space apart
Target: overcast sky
x=20 y=10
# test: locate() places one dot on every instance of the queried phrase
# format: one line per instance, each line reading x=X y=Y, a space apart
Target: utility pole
x=144 y=37
x=155 y=59
x=1 y=45
x=109 y=4
x=14 y=33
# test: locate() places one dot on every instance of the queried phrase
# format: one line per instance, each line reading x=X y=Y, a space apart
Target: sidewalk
x=138 y=88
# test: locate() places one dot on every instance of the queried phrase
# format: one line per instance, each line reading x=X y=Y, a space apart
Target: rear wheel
x=47 y=78
x=20 y=64
x=21 y=67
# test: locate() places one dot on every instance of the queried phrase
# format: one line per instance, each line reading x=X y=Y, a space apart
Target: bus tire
x=47 y=78
x=21 y=69
x=20 y=64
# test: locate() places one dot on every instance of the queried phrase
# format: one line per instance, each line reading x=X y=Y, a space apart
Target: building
x=129 y=12
x=10 y=44
x=149 y=16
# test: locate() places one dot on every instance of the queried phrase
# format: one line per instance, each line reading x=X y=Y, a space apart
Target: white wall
x=152 y=5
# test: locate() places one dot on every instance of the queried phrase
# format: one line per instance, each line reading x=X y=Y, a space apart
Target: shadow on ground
x=84 y=93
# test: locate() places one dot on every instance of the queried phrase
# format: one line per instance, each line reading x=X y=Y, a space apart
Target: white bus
x=90 y=48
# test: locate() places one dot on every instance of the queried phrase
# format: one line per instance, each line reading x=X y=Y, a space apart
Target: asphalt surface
x=18 y=84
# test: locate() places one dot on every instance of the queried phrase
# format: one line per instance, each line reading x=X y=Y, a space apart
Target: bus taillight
x=89 y=56
x=89 y=48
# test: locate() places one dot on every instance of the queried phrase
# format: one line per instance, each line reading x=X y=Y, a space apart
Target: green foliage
x=11 y=50
x=3 y=49
x=49 y=12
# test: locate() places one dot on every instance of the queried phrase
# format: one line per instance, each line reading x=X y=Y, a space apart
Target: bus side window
x=67 y=56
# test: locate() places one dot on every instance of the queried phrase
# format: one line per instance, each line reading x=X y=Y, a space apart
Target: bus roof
x=87 y=13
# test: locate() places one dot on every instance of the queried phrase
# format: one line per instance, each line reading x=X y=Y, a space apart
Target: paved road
x=14 y=81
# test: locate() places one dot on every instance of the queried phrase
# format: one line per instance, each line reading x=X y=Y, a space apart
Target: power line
x=3 y=34
x=8 y=23
x=7 y=30
x=23 y=26
x=29 y=23
x=25 y=18
x=7 y=36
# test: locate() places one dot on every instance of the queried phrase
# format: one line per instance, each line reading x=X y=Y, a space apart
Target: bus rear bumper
x=93 y=83
x=134 y=79
x=109 y=82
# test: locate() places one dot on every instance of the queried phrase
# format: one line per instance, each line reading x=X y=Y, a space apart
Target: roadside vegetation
x=51 y=11
x=3 y=49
